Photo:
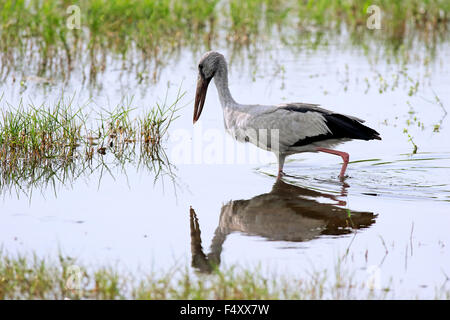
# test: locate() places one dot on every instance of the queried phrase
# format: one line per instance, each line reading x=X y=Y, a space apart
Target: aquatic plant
x=25 y=277
x=141 y=34
x=33 y=277
x=43 y=144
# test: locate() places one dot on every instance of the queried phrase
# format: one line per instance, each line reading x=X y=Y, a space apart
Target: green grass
x=35 y=278
x=32 y=277
x=34 y=37
x=35 y=32
x=40 y=145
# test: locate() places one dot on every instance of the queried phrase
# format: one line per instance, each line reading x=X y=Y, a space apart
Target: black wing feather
x=340 y=126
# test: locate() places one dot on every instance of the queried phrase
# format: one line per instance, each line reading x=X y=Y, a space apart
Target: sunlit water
x=397 y=202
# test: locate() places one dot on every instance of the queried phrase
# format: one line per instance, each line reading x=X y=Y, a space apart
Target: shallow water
x=392 y=213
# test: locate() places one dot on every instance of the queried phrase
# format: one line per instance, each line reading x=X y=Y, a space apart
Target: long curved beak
x=200 y=96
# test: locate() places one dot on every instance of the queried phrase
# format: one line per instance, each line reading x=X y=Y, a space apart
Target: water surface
x=391 y=213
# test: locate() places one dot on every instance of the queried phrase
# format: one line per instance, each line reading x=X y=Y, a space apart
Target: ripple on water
x=405 y=176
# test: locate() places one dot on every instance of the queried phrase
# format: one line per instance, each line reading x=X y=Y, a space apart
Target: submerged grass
x=42 y=144
x=141 y=33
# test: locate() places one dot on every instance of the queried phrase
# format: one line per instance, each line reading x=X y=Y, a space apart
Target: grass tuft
x=39 y=145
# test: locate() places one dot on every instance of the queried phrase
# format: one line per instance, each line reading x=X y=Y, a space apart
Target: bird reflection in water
x=287 y=213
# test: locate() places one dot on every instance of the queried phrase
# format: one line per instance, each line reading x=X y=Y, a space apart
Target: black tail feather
x=344 y=127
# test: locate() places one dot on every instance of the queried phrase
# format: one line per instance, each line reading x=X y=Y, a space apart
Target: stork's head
x=207 y=68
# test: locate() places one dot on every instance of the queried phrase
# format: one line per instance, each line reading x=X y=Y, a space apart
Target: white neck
x=221 y=81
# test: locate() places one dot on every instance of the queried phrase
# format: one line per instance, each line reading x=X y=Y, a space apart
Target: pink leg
x=281 y=159
x=344 y=156
x=280 y=174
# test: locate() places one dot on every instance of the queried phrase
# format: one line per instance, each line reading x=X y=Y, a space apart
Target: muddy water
x=389 y=219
